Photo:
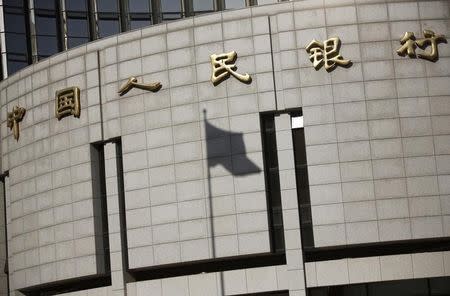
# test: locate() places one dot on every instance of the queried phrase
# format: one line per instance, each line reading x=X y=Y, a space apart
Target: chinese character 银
x=409 y=45
x=326 y=53
x=132 y=82
x=67 y=102
x=14 y=118
x=223 y=65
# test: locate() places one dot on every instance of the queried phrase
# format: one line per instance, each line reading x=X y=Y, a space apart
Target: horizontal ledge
x=208 y=265
x=377 y=249
x=70 y=285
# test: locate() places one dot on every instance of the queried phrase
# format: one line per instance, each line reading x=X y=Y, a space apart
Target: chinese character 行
x=326 y=53
x=68 y=102
x=132 y=82
x=223 y=65
x=14 y=118
x=409 y=45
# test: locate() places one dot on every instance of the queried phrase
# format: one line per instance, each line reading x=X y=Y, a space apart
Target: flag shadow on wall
x=219 y=146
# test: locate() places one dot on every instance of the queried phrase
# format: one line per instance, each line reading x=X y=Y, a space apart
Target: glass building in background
x=31 y=30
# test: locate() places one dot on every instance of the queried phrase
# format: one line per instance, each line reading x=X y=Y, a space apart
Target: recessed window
x=234 y=4
x=16 y=35
x=47 y=28
x=202 y=6
x=140 y=13
x=108 y=17
x=301 y=177
x=170 y=9
x=272 y=176
x=77 y=22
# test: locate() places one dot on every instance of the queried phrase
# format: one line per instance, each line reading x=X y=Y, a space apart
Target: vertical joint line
x=100 y=95
x=273 y=67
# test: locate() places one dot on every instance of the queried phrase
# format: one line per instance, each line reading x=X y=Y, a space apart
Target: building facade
x=294 y=148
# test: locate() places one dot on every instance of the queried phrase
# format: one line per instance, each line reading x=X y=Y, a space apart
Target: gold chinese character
x=132 y=82
x=68 y=102
x=326 y=53
x=409 y=45
x=223 y=65
x=14 y=118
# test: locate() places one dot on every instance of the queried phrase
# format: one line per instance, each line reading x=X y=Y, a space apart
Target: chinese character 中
x=223 y=65
x=132 y=83
x=326 y=53
x=14 y=118
x=409 y=45
x=67 y=102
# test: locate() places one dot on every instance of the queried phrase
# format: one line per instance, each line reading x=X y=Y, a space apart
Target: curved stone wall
x=377 y=139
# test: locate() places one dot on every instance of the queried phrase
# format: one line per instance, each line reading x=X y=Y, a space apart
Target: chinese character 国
x=67 y=102
x=132 y=82
x=326 y=53
x=13 y=120
x=223 y=65
x=409 y=45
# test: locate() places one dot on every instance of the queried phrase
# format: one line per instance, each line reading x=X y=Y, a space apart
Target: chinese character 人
x=326 y=53
x=67 y=102
x=132 y=82
x=223 y=65
x=14 y=118
x=409 y=45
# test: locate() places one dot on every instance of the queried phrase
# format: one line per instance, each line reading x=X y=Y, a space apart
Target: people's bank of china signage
x=326 y=54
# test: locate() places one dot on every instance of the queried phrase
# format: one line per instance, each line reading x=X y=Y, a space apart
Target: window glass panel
x=16 y=3
x=15 y=23
x=203 y=5
x=107 y=6
x=16 y=43
x=77 y=27
x=76 y=5
x=234 y=4
x=44 y=4
x=73 y=42
x=139 y=5
x=46 y=25
x=170 y=9
x=14 y=66
x=400 y=288
x=47 y=45
x=136 y=24
x=440 y=286
x=108 y=27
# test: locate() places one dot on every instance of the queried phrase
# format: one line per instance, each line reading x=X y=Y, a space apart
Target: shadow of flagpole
x=218 y=141
x=211 y=211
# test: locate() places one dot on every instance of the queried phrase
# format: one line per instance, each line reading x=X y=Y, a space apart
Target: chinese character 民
x=14 y=118
x=326 y=53
x=409 y=45
x=132 y=82
x=68 y=102
x=223 y=65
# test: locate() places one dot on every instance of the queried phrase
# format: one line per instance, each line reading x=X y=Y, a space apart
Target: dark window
x=16 y=35
x=108 y=17
x=140 y=13
x=412 y=287
x=107 y=6
x=47 y=28
x=272 y=177
x=234 y=4
x=170 y=9
x=76 y=5
x=77 y=22
x=202 y=6
x=301 y=176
